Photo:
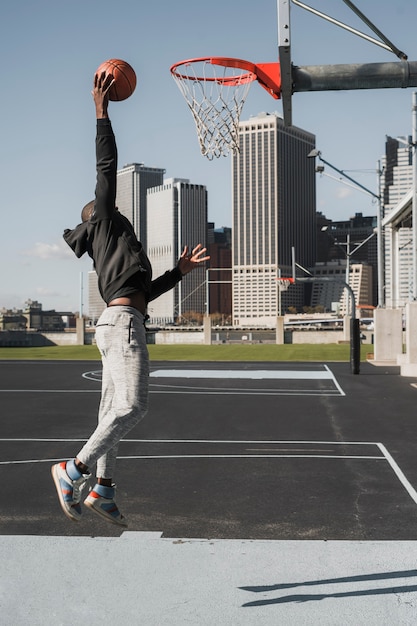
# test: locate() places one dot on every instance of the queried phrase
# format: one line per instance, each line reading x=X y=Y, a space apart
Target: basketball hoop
x=215 y=89
x=284 y=283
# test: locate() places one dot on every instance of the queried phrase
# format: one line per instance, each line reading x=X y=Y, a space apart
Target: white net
x=215 y=95
x=283 y=283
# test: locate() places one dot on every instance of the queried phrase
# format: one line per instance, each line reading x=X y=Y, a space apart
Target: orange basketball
x=124 y=76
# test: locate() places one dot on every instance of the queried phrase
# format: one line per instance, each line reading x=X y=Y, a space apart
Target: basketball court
x=256 y=493
x=296 y=450
x=273 y=485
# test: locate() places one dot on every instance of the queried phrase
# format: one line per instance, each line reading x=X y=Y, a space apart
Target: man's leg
x=122 y=341
x=125 y=354
x=124 y=403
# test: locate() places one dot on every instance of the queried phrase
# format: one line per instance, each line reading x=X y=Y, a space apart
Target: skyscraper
x=177 y=216
x=396 y=181
x=133 y=182
x=274 y=210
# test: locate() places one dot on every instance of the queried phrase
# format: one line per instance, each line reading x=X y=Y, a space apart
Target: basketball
x=124 y=77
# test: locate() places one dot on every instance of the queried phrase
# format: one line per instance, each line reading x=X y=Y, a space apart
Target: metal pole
x=279 y=291
x=81 y=296
x=207 y=292
x=347 y=265
x=414 y=204
x=380 y=243
x=354 y=76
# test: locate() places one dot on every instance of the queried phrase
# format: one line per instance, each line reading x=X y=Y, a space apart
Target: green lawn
x=224 y=352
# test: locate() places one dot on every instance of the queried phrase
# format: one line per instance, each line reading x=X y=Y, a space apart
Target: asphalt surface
x=224 y=452
x=256 y=493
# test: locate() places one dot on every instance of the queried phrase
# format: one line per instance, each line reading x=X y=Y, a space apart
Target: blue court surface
x=256 y=493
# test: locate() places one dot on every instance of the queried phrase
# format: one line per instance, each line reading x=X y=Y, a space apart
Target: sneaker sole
x=61 y=500
x=112 y=520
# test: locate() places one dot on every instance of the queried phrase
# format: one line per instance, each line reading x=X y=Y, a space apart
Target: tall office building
x=133 y=182
x=274 y=211
x=177 y=216
x=396 y=181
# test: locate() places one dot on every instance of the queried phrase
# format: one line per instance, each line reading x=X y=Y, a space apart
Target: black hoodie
x=108 y=237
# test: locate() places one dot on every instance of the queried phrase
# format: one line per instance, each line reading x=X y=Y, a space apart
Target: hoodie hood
x=77 y=239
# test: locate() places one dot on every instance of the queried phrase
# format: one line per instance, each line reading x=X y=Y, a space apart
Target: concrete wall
x=318 y=336
x=169 y=337
x=40 y=339
x=388 y=334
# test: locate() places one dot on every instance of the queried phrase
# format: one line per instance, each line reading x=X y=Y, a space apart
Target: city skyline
x=47 y=124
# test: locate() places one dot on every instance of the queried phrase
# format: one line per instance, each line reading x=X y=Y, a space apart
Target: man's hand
x=189 y=261
x=100 y=93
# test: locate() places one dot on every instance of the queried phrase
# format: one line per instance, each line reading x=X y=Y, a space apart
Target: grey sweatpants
x=121 y=339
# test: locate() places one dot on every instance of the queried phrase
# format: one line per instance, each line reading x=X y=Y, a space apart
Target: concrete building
x=133 y=182
x=96 y=304
x=177 y=216
x=331 y=293
x=274 y=210
x=355 y=239
x=396 y=182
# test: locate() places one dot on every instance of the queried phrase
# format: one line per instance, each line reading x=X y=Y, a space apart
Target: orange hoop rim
x=268 y=75
x=288 y=280
x=248 y=75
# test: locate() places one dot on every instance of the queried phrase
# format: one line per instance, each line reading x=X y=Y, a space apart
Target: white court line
x=245 y=374
x=147 y=457
x=324 y=374
x=251 y=456
x=231 y=441
x=50 y=390
x=202 y=390
x=400 y=475
x=385 y=454
x=342 y=393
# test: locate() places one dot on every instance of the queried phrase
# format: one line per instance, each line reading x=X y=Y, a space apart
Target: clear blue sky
x=50 y=50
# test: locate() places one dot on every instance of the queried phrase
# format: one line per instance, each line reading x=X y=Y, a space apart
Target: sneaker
x=101 y=501
x=69 y=491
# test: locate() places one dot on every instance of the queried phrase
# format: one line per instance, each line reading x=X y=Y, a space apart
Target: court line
x=244 y=374
x=50 y=390
x=400 y=475
x=342 y=393
x=324 y=374
x=243 y=392
x=232 y=441
x=385 y=454
x=200 y=392
x=154 y=457
x=252 y=456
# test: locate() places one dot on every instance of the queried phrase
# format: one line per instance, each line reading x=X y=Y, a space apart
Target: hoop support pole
x=401 y=74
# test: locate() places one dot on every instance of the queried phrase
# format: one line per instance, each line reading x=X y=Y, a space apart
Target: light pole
x=378 y=232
